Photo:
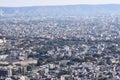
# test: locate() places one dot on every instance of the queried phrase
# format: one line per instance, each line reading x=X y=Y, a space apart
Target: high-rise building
x=9 y=72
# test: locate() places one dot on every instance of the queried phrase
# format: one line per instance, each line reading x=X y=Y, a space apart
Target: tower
x=10 y=71
x=4 y=40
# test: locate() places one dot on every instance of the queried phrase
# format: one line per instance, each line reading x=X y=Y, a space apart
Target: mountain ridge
x=61 y=10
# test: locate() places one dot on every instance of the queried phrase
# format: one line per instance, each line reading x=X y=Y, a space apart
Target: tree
x=63 y=72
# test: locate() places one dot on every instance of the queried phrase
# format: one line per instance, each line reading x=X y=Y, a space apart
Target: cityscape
x=65 y=47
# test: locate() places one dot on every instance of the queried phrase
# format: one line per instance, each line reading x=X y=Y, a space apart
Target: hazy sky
x=54 y=2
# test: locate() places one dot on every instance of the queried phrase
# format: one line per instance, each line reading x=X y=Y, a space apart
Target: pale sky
x=14 y=3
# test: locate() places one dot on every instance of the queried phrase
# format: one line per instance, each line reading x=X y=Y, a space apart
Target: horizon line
x=61 y=5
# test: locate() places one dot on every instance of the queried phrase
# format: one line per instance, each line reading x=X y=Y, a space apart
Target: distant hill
x=68 y=10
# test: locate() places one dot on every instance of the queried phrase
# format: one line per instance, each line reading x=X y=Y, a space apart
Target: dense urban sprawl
x=61 y=48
